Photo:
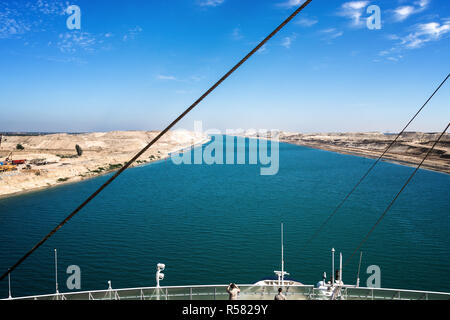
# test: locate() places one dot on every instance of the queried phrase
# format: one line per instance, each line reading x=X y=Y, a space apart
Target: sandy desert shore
x=409 y=149
x=52 y=159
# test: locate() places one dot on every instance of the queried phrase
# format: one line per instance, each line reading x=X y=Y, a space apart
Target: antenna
x=332 y=266
x=281 y=273
x=282 y=255
x=9 y=285
x=359 y=268
x=56 y=271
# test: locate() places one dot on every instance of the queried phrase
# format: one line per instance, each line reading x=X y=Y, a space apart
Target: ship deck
x=248 y=292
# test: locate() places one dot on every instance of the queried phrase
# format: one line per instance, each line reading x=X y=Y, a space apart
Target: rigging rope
x=162 y=133
x=371 y=167
x=397 y=195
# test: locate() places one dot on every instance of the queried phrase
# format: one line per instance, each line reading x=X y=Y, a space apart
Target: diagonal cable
x=372 y=166
x=397 y=195
x=162 y=133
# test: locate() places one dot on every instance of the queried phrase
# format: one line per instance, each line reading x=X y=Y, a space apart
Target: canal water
x=216 y=224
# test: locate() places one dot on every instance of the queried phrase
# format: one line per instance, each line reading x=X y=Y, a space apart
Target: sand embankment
x=409 y=149
x=52 y=159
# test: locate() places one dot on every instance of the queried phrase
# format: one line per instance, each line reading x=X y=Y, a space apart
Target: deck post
x=9 y=285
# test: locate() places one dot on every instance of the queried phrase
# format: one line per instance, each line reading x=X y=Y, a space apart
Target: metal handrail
x=165 y=292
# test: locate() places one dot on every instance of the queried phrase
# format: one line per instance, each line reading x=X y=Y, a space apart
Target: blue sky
x=136 y=65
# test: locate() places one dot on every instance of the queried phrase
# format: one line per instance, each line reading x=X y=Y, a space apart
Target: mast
x=282 y=273
x=9 y=286
x=332 y=266
x=359 y=268
x=56 y=271
x=282 y=255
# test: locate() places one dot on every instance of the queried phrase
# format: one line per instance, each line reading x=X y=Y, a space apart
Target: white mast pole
x=340 y=268
x=56 y=271
x=359 y=268
x=332 y=266
x=282 y=255
x=9 y=285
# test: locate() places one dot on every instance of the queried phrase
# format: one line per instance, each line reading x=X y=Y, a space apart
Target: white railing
x=198 y=292
x=350 y=293
x=248 y=292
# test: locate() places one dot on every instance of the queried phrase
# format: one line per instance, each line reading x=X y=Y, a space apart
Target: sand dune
x=52 y=159
x=409 y=149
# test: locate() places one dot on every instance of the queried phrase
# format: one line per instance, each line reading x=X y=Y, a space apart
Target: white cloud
x=420 y=35
x=426 y=32
x=332 y=33
x=306 y=22
x=291 y=3
x=211 y=3
x=355 y=5
x=166 y=77
x=132 y=33
x=11 y=23
x=263 y=49
x=402 y=13
x=50 y=7
x=392 y=37
x=287 y=41
x=71 y=42
x=197 y=78
x=18 y=18
x=69 y=59
x=29 y=19
x=354 y=11
x=394 y=59
x=237 y=34
x=423 y=3
x=190 y=79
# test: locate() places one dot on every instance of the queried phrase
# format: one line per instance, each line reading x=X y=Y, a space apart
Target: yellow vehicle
x=7 y=167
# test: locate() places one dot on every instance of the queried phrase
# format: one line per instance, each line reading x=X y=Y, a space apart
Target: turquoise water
x=221 y=223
